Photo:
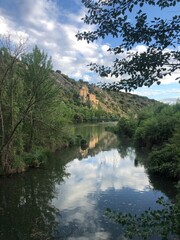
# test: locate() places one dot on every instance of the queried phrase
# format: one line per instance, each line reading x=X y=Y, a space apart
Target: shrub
x=126 y=127
x=36 y=157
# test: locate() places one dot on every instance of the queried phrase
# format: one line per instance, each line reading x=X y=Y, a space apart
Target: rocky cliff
x=117 y=103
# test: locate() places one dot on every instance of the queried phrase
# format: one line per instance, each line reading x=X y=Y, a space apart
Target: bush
x=18 y=165
x=165 y=161
x=36 y=157
x=78 y=118
x=126 y=127
x=157 y=128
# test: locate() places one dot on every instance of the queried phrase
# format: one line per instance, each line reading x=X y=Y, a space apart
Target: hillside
x=110 y=104
x=37 y=105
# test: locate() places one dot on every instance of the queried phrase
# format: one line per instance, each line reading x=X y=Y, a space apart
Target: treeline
x=31 y=116
x=77 y=112
x=36 y=112
x=157 y=130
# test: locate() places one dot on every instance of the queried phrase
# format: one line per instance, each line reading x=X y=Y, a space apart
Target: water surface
x=67 y=199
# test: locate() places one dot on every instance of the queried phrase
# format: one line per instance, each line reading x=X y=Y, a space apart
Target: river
x=67 y=198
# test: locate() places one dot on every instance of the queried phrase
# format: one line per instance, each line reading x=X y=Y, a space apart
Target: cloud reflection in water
x=91 y=180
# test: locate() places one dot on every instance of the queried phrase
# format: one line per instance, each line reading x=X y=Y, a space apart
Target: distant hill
x=170 y=100
x=122 y=103
x=112 y=103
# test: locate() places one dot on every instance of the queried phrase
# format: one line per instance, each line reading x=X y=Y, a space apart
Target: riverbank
x=39 y=156
x=157 y=131
x=68 y=197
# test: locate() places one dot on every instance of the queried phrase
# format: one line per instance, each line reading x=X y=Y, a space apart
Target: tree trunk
x=2 y=123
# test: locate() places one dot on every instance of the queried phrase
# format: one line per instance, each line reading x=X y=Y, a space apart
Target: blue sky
x=52 y=25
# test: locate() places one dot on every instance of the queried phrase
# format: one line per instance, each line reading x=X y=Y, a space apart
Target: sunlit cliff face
x=85 y=96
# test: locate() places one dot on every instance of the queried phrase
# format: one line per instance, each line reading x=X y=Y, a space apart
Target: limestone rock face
x=86 y=96
x=116 y=103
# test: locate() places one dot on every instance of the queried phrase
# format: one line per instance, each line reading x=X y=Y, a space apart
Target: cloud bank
x=52 y=25
x=53 y=29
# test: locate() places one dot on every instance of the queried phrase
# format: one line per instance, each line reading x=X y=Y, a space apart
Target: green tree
x=10 y=98
x=126 y=127
x=157 y=130
x=39 y=92
x=29 y=100
x=160 y=36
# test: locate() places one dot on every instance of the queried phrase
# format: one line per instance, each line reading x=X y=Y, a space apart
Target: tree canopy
x=130 y=23
x=30 y=120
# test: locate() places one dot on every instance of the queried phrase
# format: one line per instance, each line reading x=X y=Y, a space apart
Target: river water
x=67 y=198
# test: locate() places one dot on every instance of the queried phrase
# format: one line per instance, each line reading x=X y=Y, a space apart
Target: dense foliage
x=30 y=109
x=163 y=222
x=129 y=22
x=37 y=105
x=157 y=129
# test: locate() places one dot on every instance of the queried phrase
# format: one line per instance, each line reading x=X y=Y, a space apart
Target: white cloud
x=105 y=47
x=43 y=25
x=4 y=26
x=7 y=27
x=169 y=79
x=141 y=48
x=160 y=92
x=53 y=28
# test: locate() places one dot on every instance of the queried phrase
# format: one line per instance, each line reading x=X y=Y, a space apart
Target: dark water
x=68 y=197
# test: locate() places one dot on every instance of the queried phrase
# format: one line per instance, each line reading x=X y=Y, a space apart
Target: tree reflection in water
x=102 y=176
x=25 y=204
